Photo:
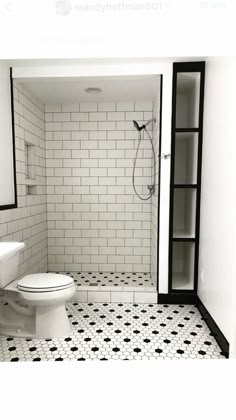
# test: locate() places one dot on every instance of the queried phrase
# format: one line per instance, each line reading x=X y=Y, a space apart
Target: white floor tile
x=121 y=331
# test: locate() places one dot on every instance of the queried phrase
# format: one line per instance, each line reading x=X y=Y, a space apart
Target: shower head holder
x=142 y=127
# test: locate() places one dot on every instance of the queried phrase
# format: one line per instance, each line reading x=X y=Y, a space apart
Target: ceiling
x=114 y=88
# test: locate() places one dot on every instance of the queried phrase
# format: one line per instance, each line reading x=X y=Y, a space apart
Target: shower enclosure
x=99 y=230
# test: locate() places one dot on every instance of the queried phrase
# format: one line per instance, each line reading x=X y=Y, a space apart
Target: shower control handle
x=165 y=155
x=151 y=188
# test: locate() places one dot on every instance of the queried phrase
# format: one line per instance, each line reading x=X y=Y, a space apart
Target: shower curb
x=114 y=296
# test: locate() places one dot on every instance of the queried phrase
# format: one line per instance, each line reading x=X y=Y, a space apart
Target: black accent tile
x=208 y=343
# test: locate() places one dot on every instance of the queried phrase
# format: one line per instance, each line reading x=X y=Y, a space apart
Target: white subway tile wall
x=154 y=203
x=95 y=221
x=28 y=223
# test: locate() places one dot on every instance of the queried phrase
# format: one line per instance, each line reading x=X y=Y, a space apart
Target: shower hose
x=152 y=186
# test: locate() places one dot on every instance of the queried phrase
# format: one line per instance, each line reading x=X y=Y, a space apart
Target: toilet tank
x=9 y=261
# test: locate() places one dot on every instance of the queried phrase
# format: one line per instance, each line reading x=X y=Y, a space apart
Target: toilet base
x=41 y=322
x=36 y=314
x=52 y=321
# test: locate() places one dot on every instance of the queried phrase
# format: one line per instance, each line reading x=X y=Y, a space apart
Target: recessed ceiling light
x=93 y=90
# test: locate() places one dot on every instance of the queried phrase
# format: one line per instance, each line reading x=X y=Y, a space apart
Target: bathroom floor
x=125 y=331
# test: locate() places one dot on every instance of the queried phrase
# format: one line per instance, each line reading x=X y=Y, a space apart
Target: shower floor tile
x=118 y=281
x=121 y=331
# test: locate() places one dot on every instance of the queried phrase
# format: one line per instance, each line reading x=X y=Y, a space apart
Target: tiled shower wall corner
x=27 y=223
x=95 y=220
x=154 y=203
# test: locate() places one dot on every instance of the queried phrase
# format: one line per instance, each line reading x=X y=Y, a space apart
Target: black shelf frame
x=185 y=186
x=186 y=130
x=186 y=295
x=183 y=239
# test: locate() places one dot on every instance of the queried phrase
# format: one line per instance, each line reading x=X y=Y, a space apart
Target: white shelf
x=181 y=282
x=31 y=182
x=187 y=100
x=186 y=154
x=183 y=235
x=184 y=212
x=183 y=265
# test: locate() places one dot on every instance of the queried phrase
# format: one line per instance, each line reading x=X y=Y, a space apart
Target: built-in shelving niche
x=187 y=100
x=185 y=185
x=30 y=178
x=186 y=155
x=184 y=217
x=183 y=256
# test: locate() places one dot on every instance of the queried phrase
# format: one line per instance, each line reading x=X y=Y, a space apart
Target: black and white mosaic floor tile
x=126 y=331
x=105 y=279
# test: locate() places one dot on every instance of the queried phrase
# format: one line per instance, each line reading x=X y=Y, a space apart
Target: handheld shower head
x=139 y=128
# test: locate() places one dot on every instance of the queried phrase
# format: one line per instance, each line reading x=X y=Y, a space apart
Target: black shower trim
x=14 y=205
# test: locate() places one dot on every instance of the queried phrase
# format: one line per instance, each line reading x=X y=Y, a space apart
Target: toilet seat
x=44 y=282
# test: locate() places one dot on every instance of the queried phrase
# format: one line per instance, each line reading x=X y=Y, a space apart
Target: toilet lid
x=44 y=282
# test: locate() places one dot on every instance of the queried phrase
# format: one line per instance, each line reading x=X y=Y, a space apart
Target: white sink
x=9 y=261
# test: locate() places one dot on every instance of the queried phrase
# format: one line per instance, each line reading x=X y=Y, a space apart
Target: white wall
x=217 y=251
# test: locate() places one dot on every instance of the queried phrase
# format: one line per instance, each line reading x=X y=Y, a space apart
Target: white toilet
x=33 y=306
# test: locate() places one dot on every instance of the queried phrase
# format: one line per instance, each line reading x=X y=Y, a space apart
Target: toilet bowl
x=33 y=306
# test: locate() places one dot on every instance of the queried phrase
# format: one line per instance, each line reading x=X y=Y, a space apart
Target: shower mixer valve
x=151 y=188
x=165 y=155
